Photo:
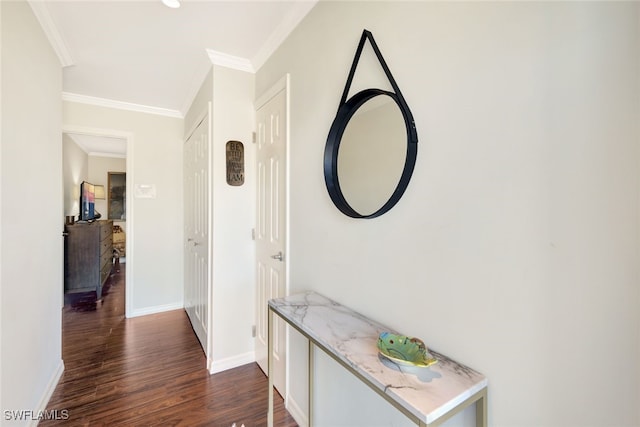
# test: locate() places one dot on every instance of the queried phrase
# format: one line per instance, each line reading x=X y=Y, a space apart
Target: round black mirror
x=369 y=156
x=371 y=148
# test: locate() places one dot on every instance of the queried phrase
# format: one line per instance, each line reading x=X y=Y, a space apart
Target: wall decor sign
x=235 y=163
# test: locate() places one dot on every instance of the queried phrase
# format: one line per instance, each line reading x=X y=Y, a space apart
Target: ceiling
x=102 y=146
x=144 y=55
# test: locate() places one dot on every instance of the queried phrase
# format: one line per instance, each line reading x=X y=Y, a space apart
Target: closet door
x=197 y=210
x=271 y=230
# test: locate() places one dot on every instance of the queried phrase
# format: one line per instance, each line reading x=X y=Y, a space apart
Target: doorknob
x=277 y=256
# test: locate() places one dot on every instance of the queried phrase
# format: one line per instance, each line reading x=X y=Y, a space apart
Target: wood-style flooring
x=148 y=371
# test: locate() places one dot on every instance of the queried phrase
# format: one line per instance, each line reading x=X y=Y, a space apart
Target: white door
x=271 y=116
x=196 y=229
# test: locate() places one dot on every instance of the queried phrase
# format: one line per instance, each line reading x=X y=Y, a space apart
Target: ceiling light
x=173 y=4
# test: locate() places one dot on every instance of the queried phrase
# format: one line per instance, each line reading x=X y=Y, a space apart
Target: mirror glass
x=372 y=154
x=116 y=196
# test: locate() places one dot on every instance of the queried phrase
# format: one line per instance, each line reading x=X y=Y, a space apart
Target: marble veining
x=427 y=393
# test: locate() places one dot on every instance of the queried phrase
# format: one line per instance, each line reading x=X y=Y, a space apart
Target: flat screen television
x=87 y=202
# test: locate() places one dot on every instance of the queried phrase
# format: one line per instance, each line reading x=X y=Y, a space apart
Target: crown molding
x=120 y=105
x=98 y=153
x=234 y=62
x=111 y=155
x=79 y=138
x=288 y=24
x=42 y=14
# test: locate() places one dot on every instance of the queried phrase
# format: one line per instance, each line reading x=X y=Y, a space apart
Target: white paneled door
x=197 y=164
x=271 y=116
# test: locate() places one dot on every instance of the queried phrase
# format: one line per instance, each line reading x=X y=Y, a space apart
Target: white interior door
x=197 y=165
x=271 y=257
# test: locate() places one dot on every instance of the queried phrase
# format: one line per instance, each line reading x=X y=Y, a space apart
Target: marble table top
x=426 y=393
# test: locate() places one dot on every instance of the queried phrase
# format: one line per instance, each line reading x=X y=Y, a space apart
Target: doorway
x=100 y=144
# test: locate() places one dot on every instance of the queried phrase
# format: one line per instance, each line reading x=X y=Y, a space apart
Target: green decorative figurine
x=405 y=350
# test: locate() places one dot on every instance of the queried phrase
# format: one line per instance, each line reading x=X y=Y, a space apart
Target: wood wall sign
x=235 y=163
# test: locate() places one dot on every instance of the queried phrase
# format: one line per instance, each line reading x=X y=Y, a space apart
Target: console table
x=428 y=396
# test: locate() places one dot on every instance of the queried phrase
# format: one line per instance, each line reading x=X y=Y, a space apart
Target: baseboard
x=296 y=412
x=51 y=387
x=232 y=362
x=156 y=309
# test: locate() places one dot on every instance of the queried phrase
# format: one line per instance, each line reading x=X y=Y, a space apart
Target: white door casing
x=197 y=229
x=271 y=224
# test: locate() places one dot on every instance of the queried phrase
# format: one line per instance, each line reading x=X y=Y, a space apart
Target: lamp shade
x=99 y=191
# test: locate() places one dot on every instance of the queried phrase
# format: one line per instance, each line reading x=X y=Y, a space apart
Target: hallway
x=148 y=371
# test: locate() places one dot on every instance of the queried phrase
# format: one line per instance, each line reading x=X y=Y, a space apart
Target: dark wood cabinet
x=88 y=252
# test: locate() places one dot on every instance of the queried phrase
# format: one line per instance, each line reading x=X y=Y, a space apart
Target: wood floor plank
x=149 y=371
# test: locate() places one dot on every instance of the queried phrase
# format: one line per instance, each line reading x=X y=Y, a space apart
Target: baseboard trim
x=296 y=412
x=232 y=362
x=156 y=309
x=48 y=392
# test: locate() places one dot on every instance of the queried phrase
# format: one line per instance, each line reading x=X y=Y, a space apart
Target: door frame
x=129 y=243
x=282 y=84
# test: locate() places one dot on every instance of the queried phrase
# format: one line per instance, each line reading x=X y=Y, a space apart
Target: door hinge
x=253 y=331
x=253 y=234
x=253 y=137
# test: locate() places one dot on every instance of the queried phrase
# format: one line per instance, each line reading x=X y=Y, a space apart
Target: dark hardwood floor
x=148 y=371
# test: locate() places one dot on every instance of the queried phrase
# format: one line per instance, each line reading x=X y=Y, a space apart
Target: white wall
x=1 y=169
x=231 y=94
x=515 y=248
x=31 y=214
x=234 y=267
x=155 y=255
x=75 y=169
x=199 y=105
